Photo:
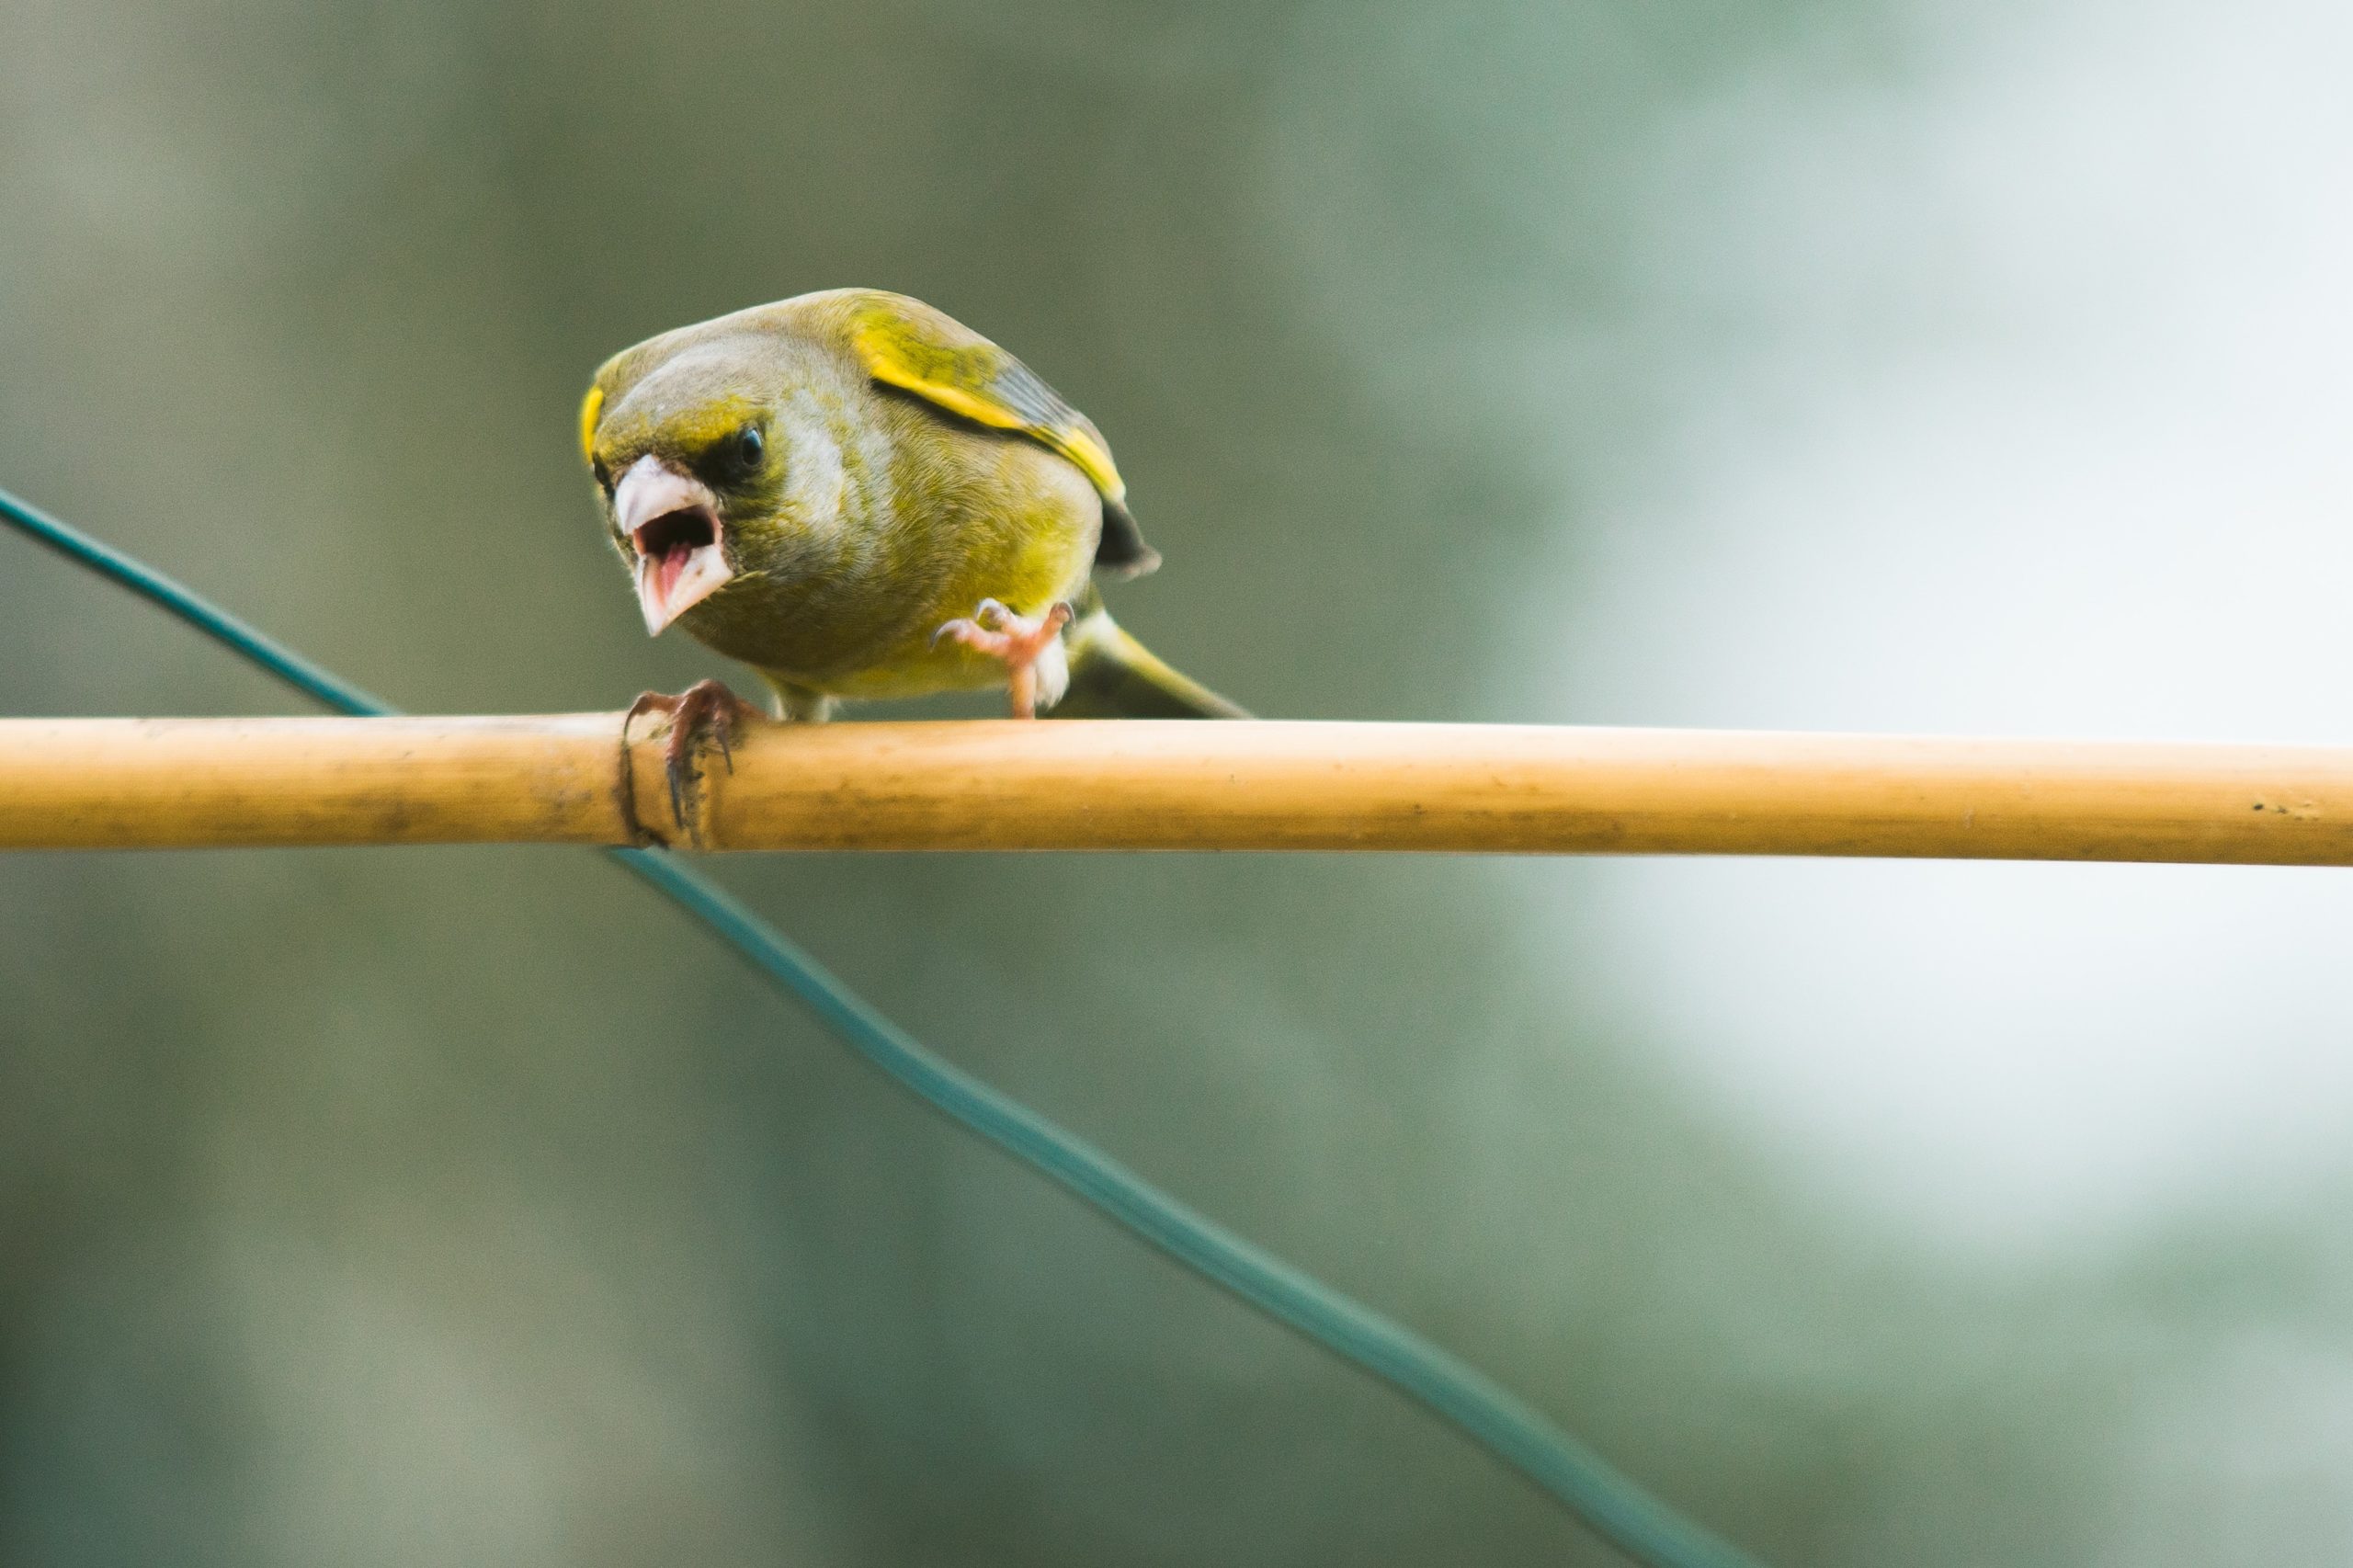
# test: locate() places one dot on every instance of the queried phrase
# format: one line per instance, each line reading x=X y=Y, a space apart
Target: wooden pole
x=205 y=783
x=94 y=783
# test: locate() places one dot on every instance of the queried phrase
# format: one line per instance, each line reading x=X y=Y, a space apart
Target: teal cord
x=1482 y=1409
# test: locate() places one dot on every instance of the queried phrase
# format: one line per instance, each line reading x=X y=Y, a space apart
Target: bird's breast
x=870 y=550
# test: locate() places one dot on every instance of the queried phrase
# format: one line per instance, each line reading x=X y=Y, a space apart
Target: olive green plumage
x=871 y=471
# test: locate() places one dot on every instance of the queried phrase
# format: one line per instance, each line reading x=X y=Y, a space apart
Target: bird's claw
x=1017 y=641
x=706 y=713
x=989 y=628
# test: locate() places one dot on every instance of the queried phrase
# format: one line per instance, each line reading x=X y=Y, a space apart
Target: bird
x=861 y=498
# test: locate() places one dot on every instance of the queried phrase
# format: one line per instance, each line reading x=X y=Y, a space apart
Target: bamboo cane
x=99 y=783
x=193 y=783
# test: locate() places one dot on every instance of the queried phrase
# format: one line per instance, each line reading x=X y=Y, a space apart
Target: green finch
x=860 y=497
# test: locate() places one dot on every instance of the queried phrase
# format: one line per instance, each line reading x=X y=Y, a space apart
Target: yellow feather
x=591 y=407
x=917 y=356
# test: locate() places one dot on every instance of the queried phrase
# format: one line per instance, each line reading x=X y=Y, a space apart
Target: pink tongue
x=669 y=569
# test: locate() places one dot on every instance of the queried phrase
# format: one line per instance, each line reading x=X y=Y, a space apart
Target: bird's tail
x=1112 y=675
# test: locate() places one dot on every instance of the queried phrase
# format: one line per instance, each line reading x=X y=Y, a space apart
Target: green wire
x=1482 y=1409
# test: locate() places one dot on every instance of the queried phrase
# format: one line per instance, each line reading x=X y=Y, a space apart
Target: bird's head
x=686 y=454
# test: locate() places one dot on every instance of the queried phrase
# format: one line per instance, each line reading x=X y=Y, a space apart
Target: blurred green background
x=1894 y=364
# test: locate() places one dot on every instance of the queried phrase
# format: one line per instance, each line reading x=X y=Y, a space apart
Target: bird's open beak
x=672 y=521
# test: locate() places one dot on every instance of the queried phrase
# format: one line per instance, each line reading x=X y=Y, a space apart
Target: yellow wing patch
x=907 y=343
x=591 y=407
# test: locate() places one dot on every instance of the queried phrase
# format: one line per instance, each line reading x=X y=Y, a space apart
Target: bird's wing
x=907 y=343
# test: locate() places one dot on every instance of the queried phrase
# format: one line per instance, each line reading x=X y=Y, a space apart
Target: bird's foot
x=706 y=713
x=1030 y=647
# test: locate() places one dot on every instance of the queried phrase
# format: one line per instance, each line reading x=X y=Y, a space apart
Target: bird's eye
x=750 y=448
x=604 y=475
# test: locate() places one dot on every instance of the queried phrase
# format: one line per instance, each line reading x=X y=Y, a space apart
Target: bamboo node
x=625 y=790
